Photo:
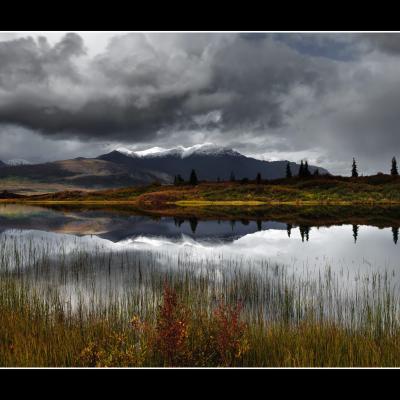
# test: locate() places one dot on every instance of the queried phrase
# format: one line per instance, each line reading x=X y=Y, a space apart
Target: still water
x=98 y=257
x=338 y=246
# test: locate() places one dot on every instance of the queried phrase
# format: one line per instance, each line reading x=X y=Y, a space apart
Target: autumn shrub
x=172 y=329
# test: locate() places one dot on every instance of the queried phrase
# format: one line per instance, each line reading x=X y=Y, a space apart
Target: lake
x=101 y=254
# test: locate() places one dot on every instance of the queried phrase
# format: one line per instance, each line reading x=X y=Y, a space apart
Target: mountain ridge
x=209 y=161
x=118 y=168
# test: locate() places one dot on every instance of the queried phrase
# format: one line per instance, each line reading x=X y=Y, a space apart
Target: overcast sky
x=325 y=97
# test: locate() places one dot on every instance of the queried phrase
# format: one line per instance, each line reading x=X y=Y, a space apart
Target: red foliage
x=172 y=329
x=229 y=333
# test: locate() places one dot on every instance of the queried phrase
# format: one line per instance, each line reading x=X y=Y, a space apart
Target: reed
x=75 y=305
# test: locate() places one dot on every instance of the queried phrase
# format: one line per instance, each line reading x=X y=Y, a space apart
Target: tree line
x=303 y=172
x=393 y=170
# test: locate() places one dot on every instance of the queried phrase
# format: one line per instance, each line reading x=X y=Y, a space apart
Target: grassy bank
x=323 y=190
x=91 y=307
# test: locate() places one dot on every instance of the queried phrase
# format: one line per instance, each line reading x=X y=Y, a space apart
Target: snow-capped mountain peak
x=178 y=151
x=17 y=161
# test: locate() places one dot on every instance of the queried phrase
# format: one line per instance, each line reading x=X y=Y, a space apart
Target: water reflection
x=351 y=250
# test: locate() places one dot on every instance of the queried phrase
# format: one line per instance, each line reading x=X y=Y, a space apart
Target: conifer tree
x=316 y=172
x=288 y=170
x=306 y=171
x=354 y=172
x=193 y=178
x=394 y=170
x=232 y=177
x=258 y=178
x=301 y=169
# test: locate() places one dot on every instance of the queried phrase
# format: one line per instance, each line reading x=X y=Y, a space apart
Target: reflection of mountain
x=117 y=227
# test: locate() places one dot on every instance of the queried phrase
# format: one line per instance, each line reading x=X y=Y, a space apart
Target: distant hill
x=209 y=161
x=83 y=172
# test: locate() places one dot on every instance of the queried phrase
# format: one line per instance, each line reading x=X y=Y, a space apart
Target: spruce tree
x=306 y=171
x=354 y=172
x=258 y=178
x=394 y=170
x=193 y=178
x=301 y=169
x=316 y=172
x=232 y=177
x=288 y=170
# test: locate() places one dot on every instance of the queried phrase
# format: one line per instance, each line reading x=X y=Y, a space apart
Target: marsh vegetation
x=68 y=303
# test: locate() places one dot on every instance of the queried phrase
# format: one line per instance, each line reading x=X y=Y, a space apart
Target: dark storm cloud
x=385 y=42
x=143 y=84
x=330 y=96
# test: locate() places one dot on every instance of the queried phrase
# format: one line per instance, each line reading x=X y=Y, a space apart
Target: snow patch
x=179 y=151
x=17 y=161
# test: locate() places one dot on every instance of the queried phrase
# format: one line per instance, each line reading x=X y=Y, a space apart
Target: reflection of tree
x=232 y=222
x=304 y=232
x=289 y=229
x=395 y=231
x=178 y=221
x=244 y=221
x=355 y=233
x=193 y=224
x=259 y=225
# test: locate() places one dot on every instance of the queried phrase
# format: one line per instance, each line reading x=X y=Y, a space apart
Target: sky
x=324 y=97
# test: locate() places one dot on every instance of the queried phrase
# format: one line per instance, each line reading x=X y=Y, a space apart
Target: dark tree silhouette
x=233 y=223
x=289 y=229
x=301 y=169
x=178 y=180
x=354 y=171
x=304 y=232
x=232 y=177
x=316 y=172
x=193 y=178
x=306 y=171
x=307 y=229
x=193 y=224
x=178 y=221
x=355 y=233
x=259 y=225
x=394 y=170
x=258 y=178
x=395 y=231
x=288 y=170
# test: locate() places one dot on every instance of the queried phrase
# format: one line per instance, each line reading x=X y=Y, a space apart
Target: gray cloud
x=385 y=42
x=327 y=97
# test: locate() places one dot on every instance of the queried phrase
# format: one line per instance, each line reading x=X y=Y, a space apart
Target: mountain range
x=124 y=167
